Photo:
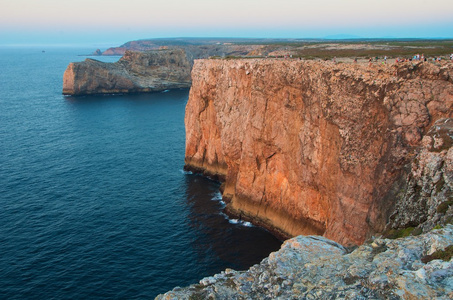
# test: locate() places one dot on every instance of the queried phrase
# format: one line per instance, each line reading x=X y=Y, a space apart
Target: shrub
x=439 y=254
x=443 y=207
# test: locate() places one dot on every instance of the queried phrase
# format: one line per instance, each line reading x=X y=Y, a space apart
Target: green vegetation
x=449 y=220
x=398 y=233
x=328 y=49
x=443 y=207
x=417 y=231
x=404 y=232
x=445 y=255
x=323 y=53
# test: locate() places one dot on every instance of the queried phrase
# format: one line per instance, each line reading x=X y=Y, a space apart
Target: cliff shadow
x=236 y=244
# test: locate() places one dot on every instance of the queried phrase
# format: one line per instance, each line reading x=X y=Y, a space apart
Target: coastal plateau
x=334 y=149
x=135 y=72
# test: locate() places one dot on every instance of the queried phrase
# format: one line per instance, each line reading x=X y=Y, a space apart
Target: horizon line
x=325 y=38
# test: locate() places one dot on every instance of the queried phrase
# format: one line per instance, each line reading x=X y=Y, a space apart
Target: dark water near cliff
x=93 y=200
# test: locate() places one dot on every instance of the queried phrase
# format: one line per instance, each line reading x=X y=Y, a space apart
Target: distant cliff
x=135 y=72
x=200 y=48
x=307 y=147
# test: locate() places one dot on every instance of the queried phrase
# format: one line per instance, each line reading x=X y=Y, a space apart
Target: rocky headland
x=135 y=72
x=193 y=51
x=309 y=147
x=351 y=152
x=200 y=48
x=344 y=154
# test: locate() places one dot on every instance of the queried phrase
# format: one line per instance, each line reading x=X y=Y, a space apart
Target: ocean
x=94 y=202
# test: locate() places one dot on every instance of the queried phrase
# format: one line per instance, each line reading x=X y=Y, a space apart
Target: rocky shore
x=314 y=267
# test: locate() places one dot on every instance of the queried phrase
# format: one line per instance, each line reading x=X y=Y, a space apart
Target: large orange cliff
x=310 y=147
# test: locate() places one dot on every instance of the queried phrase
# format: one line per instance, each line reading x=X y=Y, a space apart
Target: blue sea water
x=93 y=200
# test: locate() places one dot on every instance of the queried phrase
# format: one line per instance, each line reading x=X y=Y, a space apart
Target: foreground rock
x=135 y=72
x=316 y=268
x=309 y=147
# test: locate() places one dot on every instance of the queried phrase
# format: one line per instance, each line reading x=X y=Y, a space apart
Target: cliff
x=197 y=48
x=425 y=197
x=135 y=72
x=418 y=267
x=307 y=147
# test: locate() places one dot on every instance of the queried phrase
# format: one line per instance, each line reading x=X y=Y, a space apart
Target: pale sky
x=113 y=22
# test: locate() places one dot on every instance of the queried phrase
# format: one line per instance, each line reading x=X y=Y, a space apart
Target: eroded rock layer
x=308 y=147
x=135 y=72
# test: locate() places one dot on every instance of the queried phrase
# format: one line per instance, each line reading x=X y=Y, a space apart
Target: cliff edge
x=309 y=147
x=135 y=72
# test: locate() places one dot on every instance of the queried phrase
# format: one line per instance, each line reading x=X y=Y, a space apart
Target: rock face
x=317 y=268
x=135 y=72
x=308 y=147
x=426 y=196
x=198 y=48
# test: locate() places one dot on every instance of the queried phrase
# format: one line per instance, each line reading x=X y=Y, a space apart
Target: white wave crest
x=185 y=172
x=240 y=222
x=217 y=196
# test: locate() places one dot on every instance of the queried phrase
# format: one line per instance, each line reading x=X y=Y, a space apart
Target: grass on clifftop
x=360 y=49
x=399 y=233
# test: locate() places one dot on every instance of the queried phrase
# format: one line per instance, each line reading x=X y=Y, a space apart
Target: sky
x=114 y=22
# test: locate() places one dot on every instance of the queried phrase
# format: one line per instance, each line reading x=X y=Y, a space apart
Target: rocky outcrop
x=193 y=51
x=135 y=72
x=316 y=268
x=425 y=198
x=307 y=147
x=204 y=47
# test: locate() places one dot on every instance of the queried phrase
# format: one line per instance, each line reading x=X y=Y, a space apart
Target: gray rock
x=427 y=197
x=312 y=267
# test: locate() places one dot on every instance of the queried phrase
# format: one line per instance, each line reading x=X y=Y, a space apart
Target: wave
x=217 y=196
x=240 y=222
x=236 y=221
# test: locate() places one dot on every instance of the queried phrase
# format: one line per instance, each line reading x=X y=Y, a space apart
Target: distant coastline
x=304 y=48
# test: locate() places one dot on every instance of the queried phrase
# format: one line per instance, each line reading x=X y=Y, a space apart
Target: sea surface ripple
x=93 y=200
